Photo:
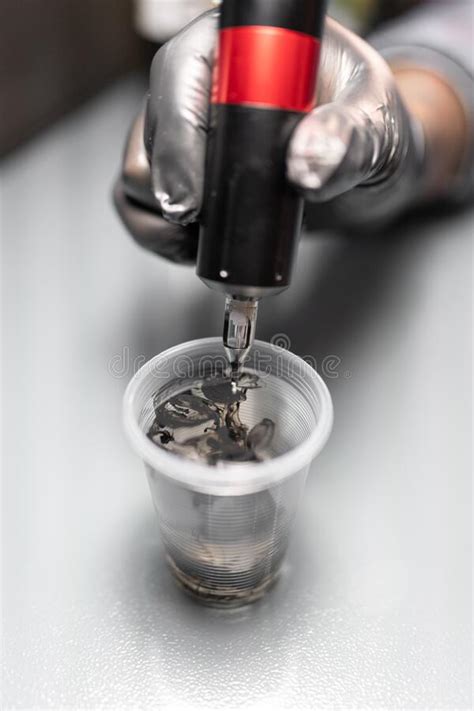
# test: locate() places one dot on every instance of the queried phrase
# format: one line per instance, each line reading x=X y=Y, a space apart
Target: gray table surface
x=373 y=609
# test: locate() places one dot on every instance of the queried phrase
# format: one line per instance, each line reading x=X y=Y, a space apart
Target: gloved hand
x=359 y=151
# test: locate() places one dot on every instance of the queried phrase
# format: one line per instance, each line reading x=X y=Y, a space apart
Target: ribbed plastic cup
x=226 y=528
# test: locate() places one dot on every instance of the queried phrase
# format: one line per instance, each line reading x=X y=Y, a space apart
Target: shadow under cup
x=225 y=528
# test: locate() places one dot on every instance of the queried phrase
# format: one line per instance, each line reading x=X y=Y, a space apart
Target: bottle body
x=265 y=80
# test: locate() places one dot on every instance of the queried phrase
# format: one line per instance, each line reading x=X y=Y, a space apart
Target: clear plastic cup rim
x=227 y=478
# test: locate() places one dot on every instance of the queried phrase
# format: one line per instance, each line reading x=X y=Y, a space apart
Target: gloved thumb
x=331 y=151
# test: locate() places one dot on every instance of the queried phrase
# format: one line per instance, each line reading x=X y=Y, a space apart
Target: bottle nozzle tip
x=239 y=329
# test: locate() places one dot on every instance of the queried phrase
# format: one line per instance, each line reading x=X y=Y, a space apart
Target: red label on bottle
x=266 y=66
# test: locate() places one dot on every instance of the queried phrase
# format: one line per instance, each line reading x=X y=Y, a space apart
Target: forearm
x=430 y=51
x=436 y=105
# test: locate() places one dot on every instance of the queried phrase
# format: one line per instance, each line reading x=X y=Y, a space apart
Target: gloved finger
x=153 y=232
x=177 y=118
x=330 y=153
x=139 y=210
x=345 y=141
x=136 y=175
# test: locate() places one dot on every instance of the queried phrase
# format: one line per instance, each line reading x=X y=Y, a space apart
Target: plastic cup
x=226 y=528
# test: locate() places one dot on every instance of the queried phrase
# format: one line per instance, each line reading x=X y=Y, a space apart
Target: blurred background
x=374 y=607
x=55 y=55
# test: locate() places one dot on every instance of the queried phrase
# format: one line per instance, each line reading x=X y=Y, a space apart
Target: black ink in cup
x=203 y=423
